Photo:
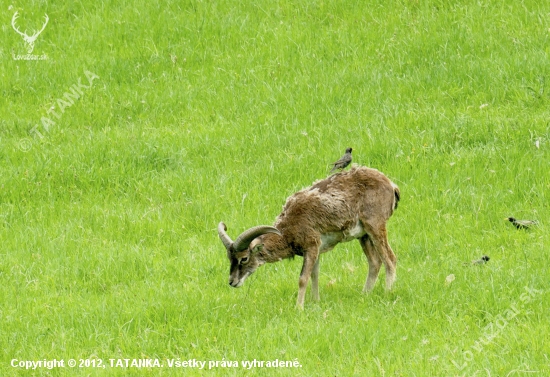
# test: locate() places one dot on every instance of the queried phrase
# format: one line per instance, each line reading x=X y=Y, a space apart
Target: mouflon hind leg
x=374 y=262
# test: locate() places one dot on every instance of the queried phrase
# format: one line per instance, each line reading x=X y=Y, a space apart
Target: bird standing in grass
x=484 y=259
x=343 y=162
x=521 y=224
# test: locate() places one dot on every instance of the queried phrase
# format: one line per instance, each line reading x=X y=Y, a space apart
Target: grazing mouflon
x=350 y=205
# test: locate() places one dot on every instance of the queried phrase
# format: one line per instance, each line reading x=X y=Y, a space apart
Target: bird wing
x=525 y=223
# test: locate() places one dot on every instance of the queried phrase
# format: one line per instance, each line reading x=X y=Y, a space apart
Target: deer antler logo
x=29 y=39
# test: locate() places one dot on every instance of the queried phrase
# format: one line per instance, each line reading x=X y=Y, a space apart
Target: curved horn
x=224 y=236
x=247 y=236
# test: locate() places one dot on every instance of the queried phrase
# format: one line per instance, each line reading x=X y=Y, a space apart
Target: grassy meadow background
x=208 y=111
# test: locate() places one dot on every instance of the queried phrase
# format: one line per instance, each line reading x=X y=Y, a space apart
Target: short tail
x=397 y=196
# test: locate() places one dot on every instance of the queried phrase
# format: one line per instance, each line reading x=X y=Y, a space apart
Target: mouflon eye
x=244 y=260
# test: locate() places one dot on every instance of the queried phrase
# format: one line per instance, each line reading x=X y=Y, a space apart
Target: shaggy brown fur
x=350 y=205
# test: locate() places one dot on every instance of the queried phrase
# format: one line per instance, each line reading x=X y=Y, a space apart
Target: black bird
x=343 y=162
x=521 y=224
x=484 y=259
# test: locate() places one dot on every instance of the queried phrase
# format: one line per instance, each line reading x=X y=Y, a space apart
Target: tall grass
x=217 y=111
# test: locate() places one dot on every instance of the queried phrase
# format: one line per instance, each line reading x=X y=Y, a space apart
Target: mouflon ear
x=256 y=249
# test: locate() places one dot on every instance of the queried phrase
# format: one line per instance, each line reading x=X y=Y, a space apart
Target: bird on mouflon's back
x=343 y=162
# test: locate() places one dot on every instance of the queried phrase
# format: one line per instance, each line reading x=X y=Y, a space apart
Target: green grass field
x=183 y=114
